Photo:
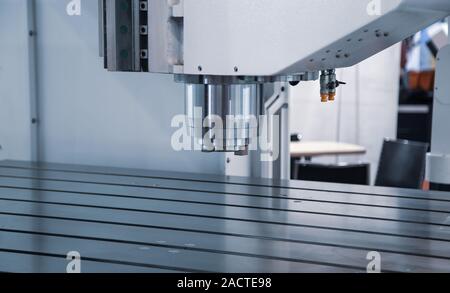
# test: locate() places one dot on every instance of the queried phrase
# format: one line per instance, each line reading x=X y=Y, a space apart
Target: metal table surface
x=125 y=220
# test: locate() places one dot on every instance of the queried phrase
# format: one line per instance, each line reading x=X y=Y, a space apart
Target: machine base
x=125 y=220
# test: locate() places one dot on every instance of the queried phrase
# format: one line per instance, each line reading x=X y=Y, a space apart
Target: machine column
x=438 y=160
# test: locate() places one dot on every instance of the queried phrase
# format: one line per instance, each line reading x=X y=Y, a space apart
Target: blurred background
x=389 y=96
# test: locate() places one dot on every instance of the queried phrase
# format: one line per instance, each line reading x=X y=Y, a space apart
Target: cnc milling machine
x=236 y=58
x=230 y=53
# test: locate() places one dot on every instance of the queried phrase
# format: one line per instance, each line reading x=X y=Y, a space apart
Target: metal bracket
x=124 y=34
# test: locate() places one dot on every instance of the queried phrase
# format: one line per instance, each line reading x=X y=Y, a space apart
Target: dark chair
x=402 y=164
x=341 y=173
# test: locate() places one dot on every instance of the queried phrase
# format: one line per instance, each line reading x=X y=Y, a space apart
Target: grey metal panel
x=145 y=238
x=162 y=257
x=122 y=35
x=16 y=261
x=109 y=218
x=355 y=239
x=311 y=204
x=432 y=211
x=278 y=185
x=278 y=209
x=298 y=202
x=161 y=37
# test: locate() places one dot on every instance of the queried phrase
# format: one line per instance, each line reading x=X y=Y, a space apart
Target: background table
x=324 y=148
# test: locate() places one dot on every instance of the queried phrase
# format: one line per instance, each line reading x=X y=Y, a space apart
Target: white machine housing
x=279 y=37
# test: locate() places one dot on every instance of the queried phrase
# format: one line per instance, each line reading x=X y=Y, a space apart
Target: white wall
x=87 y=115
x=15 y=119
x=364 y=112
